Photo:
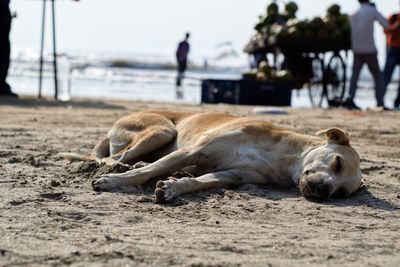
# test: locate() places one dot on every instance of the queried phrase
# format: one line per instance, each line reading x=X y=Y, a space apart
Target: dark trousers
x=372 y=62
x=392 y=60
x=5 y=26
x=181 y=70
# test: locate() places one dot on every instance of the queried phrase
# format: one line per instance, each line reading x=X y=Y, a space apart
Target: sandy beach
x=49 y=215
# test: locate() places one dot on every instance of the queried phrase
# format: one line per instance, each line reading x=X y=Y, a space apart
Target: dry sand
x=49 y=215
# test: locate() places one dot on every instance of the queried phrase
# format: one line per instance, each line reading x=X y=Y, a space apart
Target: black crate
x=247 y=92
x=277 y=93
x=220 y=91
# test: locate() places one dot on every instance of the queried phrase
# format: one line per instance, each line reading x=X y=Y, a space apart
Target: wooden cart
x=321 y=65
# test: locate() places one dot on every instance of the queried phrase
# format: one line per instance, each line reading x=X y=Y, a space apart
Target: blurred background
x=125 y=49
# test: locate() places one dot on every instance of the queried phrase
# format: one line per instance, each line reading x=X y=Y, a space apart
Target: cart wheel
x=335 y=80
x=315 y=90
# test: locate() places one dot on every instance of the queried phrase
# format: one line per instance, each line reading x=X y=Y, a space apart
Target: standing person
x=181 y=58
x=364 y=50
x=393 y=53
x=5 y=27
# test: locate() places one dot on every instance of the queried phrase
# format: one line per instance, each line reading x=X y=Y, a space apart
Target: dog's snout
x=323 y=190
x=316 y=189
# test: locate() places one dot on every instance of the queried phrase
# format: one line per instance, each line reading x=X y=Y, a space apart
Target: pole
x=54 y=51
x=41 y=49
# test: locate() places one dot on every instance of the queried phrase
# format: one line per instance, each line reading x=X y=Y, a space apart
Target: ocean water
x=141 y=77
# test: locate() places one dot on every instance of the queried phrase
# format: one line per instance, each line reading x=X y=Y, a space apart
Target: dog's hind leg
x=144 y=142
x=172 y=162
x=101 y=150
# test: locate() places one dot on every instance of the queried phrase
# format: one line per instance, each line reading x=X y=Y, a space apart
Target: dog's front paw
x=164 y=191
x=104 y=183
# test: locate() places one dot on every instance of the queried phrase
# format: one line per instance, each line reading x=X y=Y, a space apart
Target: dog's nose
x=315 y=188
x=320 y=189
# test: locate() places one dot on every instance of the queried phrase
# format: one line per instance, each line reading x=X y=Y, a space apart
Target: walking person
x=364 y=50
x=5 y=27
x=181 y=58
x=393 y=53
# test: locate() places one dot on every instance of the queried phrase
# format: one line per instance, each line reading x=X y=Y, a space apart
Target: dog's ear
x=335 y=136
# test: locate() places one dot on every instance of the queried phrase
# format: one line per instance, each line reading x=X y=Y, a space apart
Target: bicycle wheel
x=315 y=90
x=335 y=80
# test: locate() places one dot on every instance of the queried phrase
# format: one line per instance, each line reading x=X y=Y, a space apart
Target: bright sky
x=155 y=26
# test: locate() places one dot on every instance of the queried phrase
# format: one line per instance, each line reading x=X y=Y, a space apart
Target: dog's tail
x=101 y=150
x=75 y=157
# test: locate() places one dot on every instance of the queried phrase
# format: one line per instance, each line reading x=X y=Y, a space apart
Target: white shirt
x=362 y=28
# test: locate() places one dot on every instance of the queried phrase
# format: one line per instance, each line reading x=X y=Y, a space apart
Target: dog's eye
x=306 y=172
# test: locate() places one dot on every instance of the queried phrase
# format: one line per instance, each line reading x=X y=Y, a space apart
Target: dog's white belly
x=244 y=157
x=265 y=163
x=234 y=149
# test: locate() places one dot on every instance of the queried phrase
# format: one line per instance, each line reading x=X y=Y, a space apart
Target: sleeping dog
x=222 y=150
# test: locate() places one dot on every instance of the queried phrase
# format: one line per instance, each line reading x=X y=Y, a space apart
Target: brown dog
x=224 y=150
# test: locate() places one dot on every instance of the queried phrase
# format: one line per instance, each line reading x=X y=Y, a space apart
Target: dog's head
x=332 y=169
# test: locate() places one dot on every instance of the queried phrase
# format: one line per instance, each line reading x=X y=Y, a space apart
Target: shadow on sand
x=362 y=198
x=30 y=102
